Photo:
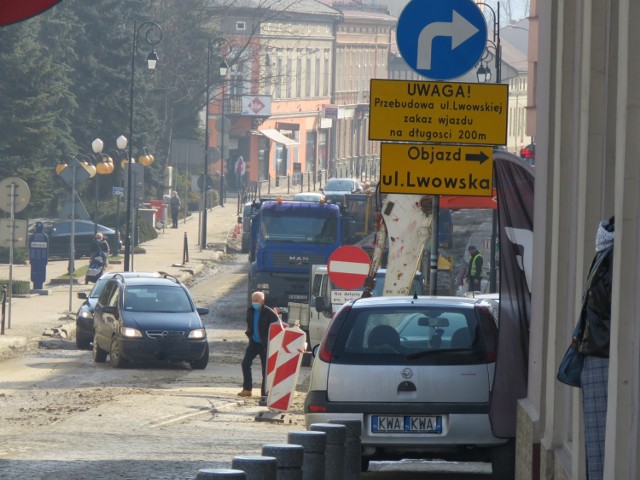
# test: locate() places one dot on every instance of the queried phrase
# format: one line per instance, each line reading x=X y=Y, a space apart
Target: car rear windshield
x=154 y=298
x=420 y=336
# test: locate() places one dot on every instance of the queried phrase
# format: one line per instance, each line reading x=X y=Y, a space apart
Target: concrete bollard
x=334 y=452
x=220 y=474
x=314 y=445
x=256 y=467
x=353 y=448
x=289 y=459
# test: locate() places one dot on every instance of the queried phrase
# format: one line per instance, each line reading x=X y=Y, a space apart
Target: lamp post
x=104 y=166
x=121 y=144
x=223 y=68
x=484 y=76
x=493 y=49
x=219 y=46
x=152 y=35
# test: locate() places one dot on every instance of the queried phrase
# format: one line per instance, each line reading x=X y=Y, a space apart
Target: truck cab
x=288 y=237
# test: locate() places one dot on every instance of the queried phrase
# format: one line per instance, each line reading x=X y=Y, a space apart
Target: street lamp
x=104 y=166
x=152 y=35
x=121 y=144
x=493 y=49
x=484 y=76
x=221 y=47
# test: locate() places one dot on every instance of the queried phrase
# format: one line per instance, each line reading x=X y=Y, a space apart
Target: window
x=241 y=26
x=299 y=74
x=289 y=75
x=307 y=79
x=419 y=336
x=317 y=77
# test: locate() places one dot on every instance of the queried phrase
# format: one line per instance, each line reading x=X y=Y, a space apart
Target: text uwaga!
x=448 y=91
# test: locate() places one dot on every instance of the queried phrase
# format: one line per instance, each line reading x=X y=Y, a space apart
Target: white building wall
x=587 y=168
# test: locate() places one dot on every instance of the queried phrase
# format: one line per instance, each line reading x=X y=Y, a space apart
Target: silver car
x=417 y=372
x=336 y=188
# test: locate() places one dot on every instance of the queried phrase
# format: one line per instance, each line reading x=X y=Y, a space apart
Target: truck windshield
x=299 y=229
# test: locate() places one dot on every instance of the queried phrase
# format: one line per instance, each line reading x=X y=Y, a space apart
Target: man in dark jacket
x=259 y=318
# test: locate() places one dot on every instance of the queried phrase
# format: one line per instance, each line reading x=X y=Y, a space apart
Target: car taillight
x=317 y=409
x=527 y=153
x=329 y=340
x=489 y=331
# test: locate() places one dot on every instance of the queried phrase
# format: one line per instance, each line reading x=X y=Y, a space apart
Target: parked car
x=308 y=197
x=429 y=364
x=528 y=153
x=59 y=233
x=336 y=188
x=149 y=319
x=84 y=315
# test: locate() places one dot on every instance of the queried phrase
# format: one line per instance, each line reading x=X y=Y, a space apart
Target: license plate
x=406 y=424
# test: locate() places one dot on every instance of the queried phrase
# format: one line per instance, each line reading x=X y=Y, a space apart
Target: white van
x=325 y=299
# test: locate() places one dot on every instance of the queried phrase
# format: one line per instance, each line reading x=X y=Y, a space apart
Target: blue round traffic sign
x=440 y=39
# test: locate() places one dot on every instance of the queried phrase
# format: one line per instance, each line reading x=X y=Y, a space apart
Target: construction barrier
x=276 y=333
x=284 y=357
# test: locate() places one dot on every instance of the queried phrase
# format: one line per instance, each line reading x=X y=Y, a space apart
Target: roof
x=288 y=6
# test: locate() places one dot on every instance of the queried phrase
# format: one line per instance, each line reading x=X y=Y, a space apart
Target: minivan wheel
x=83 y=342
x=114 y=354
x=503 y=461
x=99 y=355
x=203 y=361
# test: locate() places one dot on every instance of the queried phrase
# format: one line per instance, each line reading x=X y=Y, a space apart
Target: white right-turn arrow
x=459 y=30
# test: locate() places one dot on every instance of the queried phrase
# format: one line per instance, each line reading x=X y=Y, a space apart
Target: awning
x=455 y=202
x=277 y=137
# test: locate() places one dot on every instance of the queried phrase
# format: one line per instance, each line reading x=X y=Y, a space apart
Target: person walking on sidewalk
x=175 y=208
x=594 y=345
x=259 y=318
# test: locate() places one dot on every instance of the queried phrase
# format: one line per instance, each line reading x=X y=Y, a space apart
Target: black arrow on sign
x=476 y=157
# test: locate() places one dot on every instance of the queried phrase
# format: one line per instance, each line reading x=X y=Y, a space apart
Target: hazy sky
x=519 y=7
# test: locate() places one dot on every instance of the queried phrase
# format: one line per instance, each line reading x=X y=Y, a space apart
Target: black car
x=59 y=233
x=149 y=319
x=84 y=316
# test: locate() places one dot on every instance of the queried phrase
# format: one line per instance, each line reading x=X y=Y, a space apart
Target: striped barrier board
x=289 y=357
x=276 y=332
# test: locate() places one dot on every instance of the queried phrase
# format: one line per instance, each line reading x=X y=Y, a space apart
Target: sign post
x=439 y=112
x=423 y=169
x=441 y=40
x=348 y=267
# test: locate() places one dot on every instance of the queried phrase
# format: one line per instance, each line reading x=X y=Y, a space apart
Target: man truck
x=287 y=237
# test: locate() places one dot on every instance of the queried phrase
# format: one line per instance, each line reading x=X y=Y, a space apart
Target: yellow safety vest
x=473 y=272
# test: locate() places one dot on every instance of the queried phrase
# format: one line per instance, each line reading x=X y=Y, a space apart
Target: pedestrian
x=175 y=208
x=102 y=247
x=259 y=317
x=593 y=343
x=240 y=169
x=474 y=269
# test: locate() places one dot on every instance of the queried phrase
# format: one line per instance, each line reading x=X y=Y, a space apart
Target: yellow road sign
x=438 y=112
x=436 y=169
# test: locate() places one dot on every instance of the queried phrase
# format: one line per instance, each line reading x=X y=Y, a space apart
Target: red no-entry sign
x=12 y=11
x=348 y=267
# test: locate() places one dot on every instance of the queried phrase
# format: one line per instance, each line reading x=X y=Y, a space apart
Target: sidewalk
x=53 y=312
